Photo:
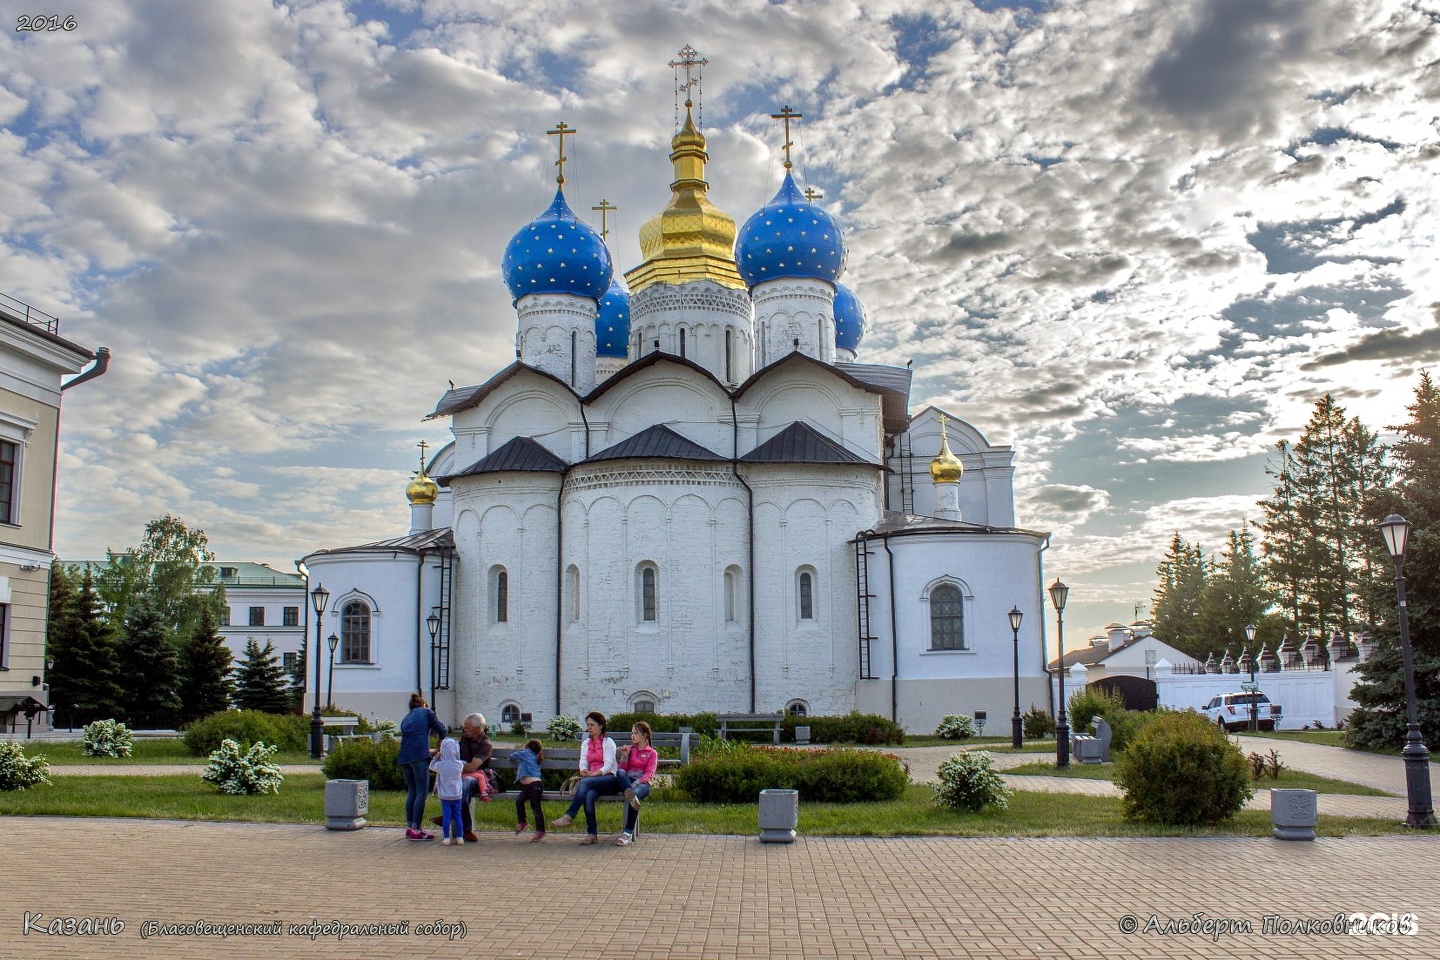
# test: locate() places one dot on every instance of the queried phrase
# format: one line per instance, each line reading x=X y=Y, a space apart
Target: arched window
x=682 y=341
x=355 y=632
x=732 y=594
x=500 y=588
x=805 y=593
x=947 y=618
x=729 y=355
x=642 y=703
x=574 y=356
x=797 y=708
x=648 y=593
x=510 y=713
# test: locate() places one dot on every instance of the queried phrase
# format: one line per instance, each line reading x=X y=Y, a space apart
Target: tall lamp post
x=334 y=642
x=1058 y=593
x=1016 y=726
x=1254 y=689
x=318 y=598
x=1420 y=812
x=432 y=623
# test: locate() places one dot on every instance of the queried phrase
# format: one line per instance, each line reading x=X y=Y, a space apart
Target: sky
x=1135 y=239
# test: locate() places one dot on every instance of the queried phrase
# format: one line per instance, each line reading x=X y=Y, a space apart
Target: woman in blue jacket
x=414 y=760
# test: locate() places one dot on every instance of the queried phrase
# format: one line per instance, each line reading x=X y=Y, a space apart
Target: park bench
x=1096 y=748
x=568 y=760
x=728 y=723
x=346 y=726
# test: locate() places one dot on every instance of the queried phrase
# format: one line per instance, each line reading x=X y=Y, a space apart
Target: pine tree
x=206 y=685
x=83 y=680
x=149 y=668
x=1381 y=719
x=260 y=682
x=298 y=675
x=1182 y=574
x=1236 y=595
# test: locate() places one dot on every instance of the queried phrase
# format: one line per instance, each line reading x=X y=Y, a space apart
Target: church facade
x=688 y=493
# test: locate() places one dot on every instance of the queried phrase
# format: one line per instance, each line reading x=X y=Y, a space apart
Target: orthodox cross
x=423 y=447
x=786 y=114
x=812 y=194
x=562 y=131
x=691 y=60
x=605 y=207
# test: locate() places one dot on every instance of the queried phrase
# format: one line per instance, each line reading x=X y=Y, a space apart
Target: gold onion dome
x=691 y=239
x=422 y=490
x=946 y=468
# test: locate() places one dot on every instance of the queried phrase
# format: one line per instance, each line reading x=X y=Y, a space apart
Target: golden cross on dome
x=786 y=114
x=604 y=207
x=691 y=60
x=812 y=194
x=423 y=447
x=942 y=419
x=562 y=131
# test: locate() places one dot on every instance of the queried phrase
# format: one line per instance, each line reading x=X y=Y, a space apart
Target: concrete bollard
x=1293 y=813
x=779 y=815
x=346 y=803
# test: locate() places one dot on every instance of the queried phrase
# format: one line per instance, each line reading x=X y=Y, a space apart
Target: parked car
x=1231 y=711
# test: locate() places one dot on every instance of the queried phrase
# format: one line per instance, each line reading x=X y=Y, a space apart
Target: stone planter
x=1293 y=814
x=779 y=814
x=346 y=803
x=802 y=735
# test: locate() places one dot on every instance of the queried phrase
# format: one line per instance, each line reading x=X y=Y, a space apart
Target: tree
x=206 y=685
x=171 y=568
x=1380 y=721
x=1235 y=595
x=1175 y=611
x=83 y=679
x=298 y=675
x=260 y=682
x=149 y=667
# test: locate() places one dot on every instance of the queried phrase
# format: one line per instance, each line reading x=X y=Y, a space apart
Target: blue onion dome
x=612 y=324
x=849 y=319
x=557 y=253
x=789 y=237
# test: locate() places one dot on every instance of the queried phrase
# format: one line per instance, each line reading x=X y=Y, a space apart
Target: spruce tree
x=1175 y=613
x=83 y=681
x=260 y=682
x=206 y=685
x=1236 y=595
x=149 y=668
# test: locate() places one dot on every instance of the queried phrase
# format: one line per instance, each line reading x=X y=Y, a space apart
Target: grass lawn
x=1325 y=738
x=995 y=744
x=302 y=800
x=1288 y=779
x=62 y=753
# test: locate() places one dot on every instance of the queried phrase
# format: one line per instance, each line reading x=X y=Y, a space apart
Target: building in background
x=264 y=604
x=34 y=361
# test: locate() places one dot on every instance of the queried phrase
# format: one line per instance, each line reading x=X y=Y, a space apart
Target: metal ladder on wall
x=863 y=596
x=907 y=474
x=442 y=636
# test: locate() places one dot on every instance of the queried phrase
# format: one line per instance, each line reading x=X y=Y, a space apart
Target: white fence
x=1306 y=697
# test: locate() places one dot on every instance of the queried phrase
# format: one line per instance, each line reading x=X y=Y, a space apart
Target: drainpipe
x=1044 y=647
x=560 y=583
x=102 y=363
x=420 y=628
x=749 y=541
x=894 y=638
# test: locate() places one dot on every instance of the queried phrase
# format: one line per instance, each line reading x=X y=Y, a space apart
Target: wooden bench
x=568 y=760
x=751 y=723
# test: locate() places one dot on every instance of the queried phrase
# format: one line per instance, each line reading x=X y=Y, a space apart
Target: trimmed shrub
x=284 y=731
x=107 y=738
x=251 y=772
x=17 y=771
x=1092 y=702
x=854 y=727
x=737 y=774
x=563 y=729
x=956 y=726
x=664 y=722
x=968 y=782
x=1181 y=770
x=366 y=760
x=1037 y=723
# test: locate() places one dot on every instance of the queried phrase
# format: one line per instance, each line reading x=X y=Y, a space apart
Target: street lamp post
x=1016 y=726
x=432 y=623
x=1254 y=690
x=318 y=598
x=1420 y=812
x=1058 y=593
x=334 y=642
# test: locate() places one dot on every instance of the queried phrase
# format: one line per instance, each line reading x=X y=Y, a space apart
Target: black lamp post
x=432 y=623
x=1420 y=812
x=1058 y=593
x=318 y=598
x=1254 y=689
x=334 y=642
x=1016 y=727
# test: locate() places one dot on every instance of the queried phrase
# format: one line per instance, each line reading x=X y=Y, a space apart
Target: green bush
x=968 y=782
x=244 y=773
x=563 y=729
x=1093 y=702
x=285 y=731
x=1181 y=770
x=854 y=727
x=956 y=726
x=663 y=722
x=366 y=760
x=737 y=774
x=1037 y=723
x=107 y=738
x=17 y=771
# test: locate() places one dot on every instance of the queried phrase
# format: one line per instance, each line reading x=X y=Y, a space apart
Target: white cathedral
x=686 y=494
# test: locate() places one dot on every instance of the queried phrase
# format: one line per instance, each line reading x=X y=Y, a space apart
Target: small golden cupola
x=945 y=468
x=422 y=491
x=691 y=239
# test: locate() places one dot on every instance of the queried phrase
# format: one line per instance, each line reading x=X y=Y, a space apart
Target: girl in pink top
x=637 y=769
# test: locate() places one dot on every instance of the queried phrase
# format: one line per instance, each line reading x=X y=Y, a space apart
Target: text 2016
x=43 y=22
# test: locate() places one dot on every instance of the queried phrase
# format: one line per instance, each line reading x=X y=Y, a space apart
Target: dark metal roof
x=644 y=363
x=894 y=385
x=522 y=454
x=428 y=540
x=463 y=398
x=895 y=523
x=657 y=442
x=799 y=443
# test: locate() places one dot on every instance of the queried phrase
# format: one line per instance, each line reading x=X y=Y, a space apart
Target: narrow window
x=807 y=596
x=355 y=632
x=289 y=660
x=729 y=356
x=8 y=454
x=682 y=342
x=572 y=578
x=574 y=356
x=764 y=344
x=4 y=636
x=502 y=597
x=731 y=587
x=648 y=607
x=225 y=617
x=947 y=618
x=257 y=616
x=292 y=617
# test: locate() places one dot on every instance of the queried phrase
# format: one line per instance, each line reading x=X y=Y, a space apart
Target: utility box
x=779 y=815
x=1293 y=813
x=346 y=804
